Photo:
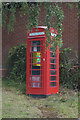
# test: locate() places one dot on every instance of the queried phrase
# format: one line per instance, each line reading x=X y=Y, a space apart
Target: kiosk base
x=38 y=96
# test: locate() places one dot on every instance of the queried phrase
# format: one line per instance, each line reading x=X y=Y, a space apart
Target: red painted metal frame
x=45 y=89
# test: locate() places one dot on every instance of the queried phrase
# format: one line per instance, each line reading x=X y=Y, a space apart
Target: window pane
x=53 y=84
x=30 y=60
x=30 y=54
x=30 y=72
x=30 y=49
x=52 y=55
x=30 y=78
x=36 y=54
x=53 y=66
x=52 y=72
x=36 y=60
x=35 y=72
x=38 y=48
x=52 y=60
x=53 y=78
x=35 y=67
x=30 y=43
x=30 y=66
x=35 y=42
x=35 y=49
x=35 y=78
x=51 y=49
x=35 y=84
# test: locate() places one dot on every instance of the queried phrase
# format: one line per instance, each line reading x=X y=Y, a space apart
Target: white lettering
x=37 y=33
x=53 y=34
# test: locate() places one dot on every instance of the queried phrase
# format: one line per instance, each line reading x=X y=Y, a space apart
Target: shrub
x=68 y=74
x=16 y=63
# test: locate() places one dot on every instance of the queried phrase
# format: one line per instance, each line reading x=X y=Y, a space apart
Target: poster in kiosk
x=42 y=73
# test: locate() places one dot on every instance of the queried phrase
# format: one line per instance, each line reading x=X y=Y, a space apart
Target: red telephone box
x=42 y=66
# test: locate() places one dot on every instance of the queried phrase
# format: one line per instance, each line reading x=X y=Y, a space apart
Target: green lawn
x=0 y=98
x=18 y=105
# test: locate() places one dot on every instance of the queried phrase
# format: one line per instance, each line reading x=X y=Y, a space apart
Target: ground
x=18 y=105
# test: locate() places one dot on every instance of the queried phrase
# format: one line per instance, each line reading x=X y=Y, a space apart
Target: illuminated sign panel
x=36 y=33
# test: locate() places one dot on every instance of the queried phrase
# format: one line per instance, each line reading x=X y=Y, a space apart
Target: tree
x=53 y=11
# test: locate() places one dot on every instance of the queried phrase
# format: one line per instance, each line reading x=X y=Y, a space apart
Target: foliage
x=58 y=13
x=33 y=12
x=70 y=5
x=53 y=11
x=0 y=14
x=68 y=73
x=4 y=15
x=78 y=8
x=12 y=18
x=16 y=63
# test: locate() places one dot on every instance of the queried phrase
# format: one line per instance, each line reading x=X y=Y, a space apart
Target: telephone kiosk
x=42 y=68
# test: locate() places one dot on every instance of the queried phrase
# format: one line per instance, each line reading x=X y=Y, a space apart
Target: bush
x=16 y=63
x=68 y=72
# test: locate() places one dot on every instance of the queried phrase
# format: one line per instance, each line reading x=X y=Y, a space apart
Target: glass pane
x=35 y=78
x=30 y=72
x=30 y=49
x=53 y=78
x=38 y=48
x=35 y=49
x=30 y=78
x=35 y=67
x=35 y=84
x=52 y=72
x=36 y=60
x=35 y=72
x=52 y=55
x=35 y=42
x=36 y=54
x=30 y=43
x=30 y=54
x=30 y=60
x=53 y=66
x=53 y=84
x=52 y=60
x=30 y=66
x=30 y=81
x=51 y=49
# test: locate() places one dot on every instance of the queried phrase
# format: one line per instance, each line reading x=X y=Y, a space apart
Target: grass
x=0 y=98
x=79 y=103
x=18 y=105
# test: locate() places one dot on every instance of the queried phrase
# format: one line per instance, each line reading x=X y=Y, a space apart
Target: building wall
x=70 y=30
x=70 y=27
